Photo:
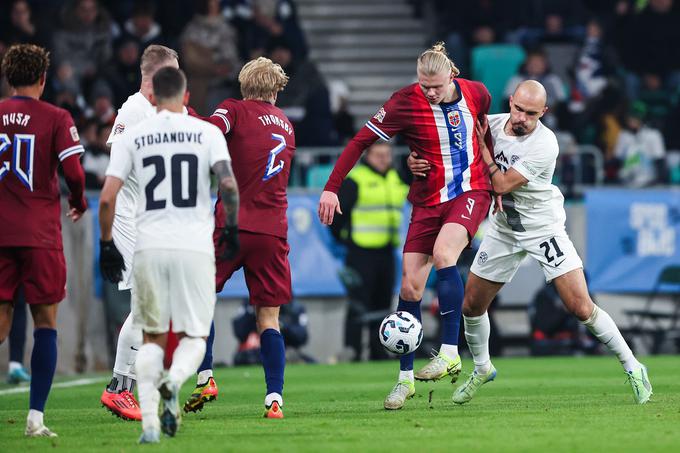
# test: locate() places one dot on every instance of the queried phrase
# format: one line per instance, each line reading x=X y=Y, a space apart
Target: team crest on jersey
x=514 y=159
x=481 y=259
x=454 y=118
x=380 y=116
x=74 y=133
x=120 y=127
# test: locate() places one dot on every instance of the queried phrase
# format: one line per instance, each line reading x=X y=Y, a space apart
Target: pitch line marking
x=59 y=385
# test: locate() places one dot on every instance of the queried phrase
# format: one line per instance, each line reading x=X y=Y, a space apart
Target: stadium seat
x=317 y=175
x=494 y=65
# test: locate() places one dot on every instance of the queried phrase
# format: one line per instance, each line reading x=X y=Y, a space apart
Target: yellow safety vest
x=376 y=217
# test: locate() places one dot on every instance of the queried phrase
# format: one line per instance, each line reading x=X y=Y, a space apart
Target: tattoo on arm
x=228 y=190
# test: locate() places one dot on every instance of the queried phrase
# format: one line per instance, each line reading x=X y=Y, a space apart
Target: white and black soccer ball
x=400 y=332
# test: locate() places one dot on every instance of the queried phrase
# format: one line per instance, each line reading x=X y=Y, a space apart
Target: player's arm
x=75 y=180
x=384 y=125
x=502 y=183
x=230 y=202
x=107 y=206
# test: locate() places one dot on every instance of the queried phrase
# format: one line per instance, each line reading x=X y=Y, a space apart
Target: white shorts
x=124 y=235
x=500 y=254
x=175 y=285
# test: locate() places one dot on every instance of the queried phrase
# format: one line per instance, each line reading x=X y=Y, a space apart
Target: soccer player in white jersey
x=172 y=155
x=532 y=223
x=118 y=396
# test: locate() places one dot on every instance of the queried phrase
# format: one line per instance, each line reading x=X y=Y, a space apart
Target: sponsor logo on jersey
x=454 y=118
x=120 y=127
x=481 y=259
x=74 y=133
x=380 y=116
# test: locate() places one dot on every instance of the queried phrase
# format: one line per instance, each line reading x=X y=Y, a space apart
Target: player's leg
x=205 y=369
x=43 y=366
x=6 y=314
x=573 y=290
x=460 y=218
x=415 y=269
x=117 y=396
x=149 y=367
x=273 y=353
x=17 y=342
x=10 y=275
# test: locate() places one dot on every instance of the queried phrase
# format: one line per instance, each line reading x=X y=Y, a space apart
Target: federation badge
x=120 y=127
x=74 y=133
x=514 y=159
x=482 y=258
x=454 y=118
x=380 y=116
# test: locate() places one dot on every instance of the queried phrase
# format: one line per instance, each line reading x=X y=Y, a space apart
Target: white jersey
x=171 y=154
x=538 y=203
x=133 y=111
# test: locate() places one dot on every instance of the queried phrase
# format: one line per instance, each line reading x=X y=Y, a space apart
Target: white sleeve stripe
x=222 y=111
x=377 y=131
x=224 y=118
x=68 y=152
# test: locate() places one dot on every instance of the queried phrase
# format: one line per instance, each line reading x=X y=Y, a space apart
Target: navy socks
x=43 y=365
x=273 y=353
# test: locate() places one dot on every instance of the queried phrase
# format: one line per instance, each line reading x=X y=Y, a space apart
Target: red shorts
x=264 y=259
x=468 y=209
x=41 y=272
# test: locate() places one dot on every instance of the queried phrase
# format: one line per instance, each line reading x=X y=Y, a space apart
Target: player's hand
x=328 y=206
x=419 y=167
x=498 y=204
x=74 y=215
x=481 y=126
x=229 y=239
x=76 y=208
x=111 y=263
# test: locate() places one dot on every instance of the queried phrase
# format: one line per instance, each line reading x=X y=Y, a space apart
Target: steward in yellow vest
x=372 y=198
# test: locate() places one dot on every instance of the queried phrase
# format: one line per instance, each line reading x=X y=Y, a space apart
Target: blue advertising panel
x=632 y=236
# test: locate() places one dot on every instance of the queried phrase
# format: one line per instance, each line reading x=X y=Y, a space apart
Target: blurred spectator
x=141 y=26
x=535 y=67
x=640 y=151
x=657 y=99
x=101 y=104
x=595 y=64
x=259 y=21
x=124 y=76
x=342 y=118
x=96 y=156
x=305 y=100
x=648 y=42
x=84 y=40
x=372 y=198
x=21 y=27
x=209 y=55
x=548 y=21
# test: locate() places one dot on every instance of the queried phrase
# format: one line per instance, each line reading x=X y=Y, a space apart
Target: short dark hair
x=24 y=64
x=168 y=83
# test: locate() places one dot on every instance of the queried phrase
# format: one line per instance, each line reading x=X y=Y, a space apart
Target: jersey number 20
x=179 y=199
x=22 y=166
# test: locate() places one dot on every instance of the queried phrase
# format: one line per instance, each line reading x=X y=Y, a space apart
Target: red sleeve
x=75 y=179
x=385 y=124
x=66 y=139
x=224 y=116
x=483 y=97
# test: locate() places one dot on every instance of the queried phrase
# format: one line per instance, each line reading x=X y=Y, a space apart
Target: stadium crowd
x=610 y=67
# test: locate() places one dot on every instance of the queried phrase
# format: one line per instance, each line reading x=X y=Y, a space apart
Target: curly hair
x=261 y=79
x=435 y=60
x=24 y=64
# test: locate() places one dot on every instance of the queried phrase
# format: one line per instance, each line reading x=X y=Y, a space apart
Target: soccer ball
x=400 y=332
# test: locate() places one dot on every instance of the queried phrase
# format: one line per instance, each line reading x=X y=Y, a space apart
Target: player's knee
x=410 y=290
x=580 y=306
x=442 y=258
x=473 y=306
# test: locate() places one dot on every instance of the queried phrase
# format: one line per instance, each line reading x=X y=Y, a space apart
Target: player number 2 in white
x=274 y=168
x=22 y=166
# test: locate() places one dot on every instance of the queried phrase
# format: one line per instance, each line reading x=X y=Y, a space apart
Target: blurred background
x=612 y=72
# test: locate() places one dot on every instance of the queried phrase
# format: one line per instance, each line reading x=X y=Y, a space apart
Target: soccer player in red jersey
x=34 y=138
x=436 y=117
x=261 y=142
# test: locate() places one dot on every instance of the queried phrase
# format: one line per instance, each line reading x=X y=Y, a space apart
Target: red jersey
x=444 y=134
x=261 y=143
x=34 y=137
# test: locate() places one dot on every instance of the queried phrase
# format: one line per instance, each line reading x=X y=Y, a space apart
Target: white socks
x=269 y=399
x=14 y=366
x=602 y=326
x=129 y=342
x=406 y=375
x=203 y=377
x=149 y=371
x=450 y=350
x=477 y=331
x=35 y=418
x=186 y=359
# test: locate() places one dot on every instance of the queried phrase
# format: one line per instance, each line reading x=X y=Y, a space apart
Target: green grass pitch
x=542 y=405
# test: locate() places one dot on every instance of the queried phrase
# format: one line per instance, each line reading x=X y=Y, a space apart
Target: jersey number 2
x=178 y=194
x=22 y=166
x=272 y=169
